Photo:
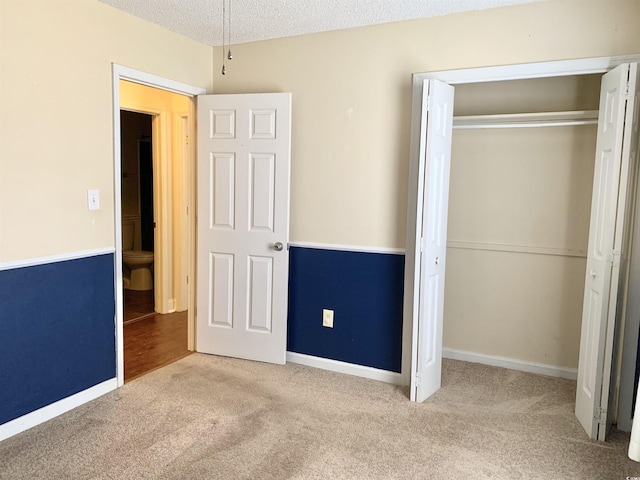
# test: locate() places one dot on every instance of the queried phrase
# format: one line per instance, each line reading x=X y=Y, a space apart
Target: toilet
x=137 y=263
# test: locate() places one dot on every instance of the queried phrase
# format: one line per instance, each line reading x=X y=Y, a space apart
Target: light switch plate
x=93 y=199
x=327 y=318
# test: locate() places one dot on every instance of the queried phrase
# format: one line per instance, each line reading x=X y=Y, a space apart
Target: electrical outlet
x=327 y=318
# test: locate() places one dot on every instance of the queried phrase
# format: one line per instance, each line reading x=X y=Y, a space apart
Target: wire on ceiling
x=226 y=33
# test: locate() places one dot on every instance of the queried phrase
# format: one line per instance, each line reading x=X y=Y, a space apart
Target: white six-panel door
x=437 y=123
x=243 y=225
x=603 y=256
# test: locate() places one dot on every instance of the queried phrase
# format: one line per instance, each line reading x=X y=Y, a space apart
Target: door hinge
x=416 y=380
x=187 y=279
x=600 y=416
x=614 y=258
x=428 y=102
x=421 y=244
x=626 y=94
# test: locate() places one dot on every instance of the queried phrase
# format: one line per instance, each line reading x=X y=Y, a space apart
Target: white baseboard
x=43 y=414
x=347 y=368
x=513 y=364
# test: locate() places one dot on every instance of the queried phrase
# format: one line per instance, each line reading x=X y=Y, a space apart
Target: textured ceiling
x=253 y=20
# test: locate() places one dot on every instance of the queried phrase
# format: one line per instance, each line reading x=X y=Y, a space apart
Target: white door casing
x=243 y=216
x=120 y=72
x=603 y=256
x=432 y=211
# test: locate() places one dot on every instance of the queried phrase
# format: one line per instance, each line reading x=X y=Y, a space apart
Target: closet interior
x=518 y=227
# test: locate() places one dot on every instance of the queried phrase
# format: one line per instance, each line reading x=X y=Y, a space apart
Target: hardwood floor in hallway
x=137 y=304
x=151 y=340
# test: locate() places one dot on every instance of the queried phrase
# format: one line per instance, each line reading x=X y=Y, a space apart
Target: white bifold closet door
x=607 y=248
x=435 y=162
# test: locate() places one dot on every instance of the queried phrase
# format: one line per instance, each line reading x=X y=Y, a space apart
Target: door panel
x=221 y=291
x=243 y=204
x=222 y=191
x=605 y=239
x=437 y=128
x=262 y=192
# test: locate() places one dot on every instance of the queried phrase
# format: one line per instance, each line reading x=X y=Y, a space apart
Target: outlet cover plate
x=327 y=318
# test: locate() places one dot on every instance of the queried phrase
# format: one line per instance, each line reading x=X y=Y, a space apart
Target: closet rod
x=527 y=120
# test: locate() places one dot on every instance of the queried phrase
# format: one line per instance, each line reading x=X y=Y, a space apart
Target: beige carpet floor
x=207 y=417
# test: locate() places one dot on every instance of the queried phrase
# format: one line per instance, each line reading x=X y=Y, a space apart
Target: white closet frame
x=597 y=65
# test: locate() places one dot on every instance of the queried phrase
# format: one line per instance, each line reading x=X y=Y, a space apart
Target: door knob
x=437 y=260
x=593 y=273
x=278 y=246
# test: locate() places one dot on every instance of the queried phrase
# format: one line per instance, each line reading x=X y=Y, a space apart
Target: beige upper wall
x=352 y=98
x=56 y=133
x=351 y=106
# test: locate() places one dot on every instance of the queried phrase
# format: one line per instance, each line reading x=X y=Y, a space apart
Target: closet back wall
x=527 y=190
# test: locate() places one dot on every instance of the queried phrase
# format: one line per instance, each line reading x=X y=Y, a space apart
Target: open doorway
x=154 y=227
x=187 y=233
x=137 y=215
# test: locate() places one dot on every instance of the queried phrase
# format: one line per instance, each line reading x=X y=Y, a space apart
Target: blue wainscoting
x=57 y=332
x=365 y=290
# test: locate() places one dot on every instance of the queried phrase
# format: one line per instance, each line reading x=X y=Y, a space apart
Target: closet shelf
x=527 y=120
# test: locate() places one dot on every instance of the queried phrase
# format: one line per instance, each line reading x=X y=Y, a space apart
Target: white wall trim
x=528 y=249
x=31 y=262
x=151 y=80
x=347 y=248
x=44 y=414
x=558 y=68
x=511 y=363
x=346 y=368
x=120 y=72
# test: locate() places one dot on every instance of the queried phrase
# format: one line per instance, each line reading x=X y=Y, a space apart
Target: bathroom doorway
x=136 y=135
x=154 y=127
x=146 y=190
